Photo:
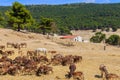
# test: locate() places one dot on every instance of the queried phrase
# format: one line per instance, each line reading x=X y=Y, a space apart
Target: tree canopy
x=75 y=16
x=1 y=20
x=98 y=37
x=47 y=25
x=19 y=17
x=113 y=40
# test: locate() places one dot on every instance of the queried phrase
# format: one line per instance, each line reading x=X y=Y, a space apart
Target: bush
x=107 y=29
x=113 y=40
x=99 y=37
x=114 y=29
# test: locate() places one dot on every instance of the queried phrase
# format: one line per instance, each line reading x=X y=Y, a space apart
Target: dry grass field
x=93 y=54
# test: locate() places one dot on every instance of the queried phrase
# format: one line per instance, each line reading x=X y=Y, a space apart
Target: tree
x=47 y=25
x=64 y=31
x=1 y=19
x=19 y=16
x=114 y=29
x=107 y=29
x=53 y=28
x=113 y=40
x=98 y=37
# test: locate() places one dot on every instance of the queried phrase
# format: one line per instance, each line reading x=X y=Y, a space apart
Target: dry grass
x=93 y=55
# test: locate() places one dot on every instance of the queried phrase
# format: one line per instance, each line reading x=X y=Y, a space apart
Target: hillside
x=77 y=16
x=93 y=54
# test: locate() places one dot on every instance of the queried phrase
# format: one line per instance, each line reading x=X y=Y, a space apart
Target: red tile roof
x=68 y=37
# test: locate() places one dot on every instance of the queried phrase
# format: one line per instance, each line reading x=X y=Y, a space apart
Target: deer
x=106 y=75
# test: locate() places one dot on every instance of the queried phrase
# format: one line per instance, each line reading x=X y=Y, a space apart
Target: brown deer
x=23 y=45
x=2 y=47
x=111 y=76
x=78 y=75
x=106 y=75
x=9 y=44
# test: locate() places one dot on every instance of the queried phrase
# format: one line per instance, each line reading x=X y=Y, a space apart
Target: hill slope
x=93 y=55
x=78 y=16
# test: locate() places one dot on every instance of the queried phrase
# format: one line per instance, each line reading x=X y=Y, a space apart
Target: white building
x=74 y=38
x=78 y=38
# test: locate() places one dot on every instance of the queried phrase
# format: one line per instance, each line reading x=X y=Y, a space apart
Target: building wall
x=78 y=38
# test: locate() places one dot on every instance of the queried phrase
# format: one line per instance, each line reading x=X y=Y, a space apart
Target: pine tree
x=19 y=16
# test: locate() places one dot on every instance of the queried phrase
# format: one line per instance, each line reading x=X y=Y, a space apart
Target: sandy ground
x=93 y=54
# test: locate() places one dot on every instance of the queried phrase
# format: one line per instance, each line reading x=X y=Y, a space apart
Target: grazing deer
x=106 y=75
x=31 y=53
x=23 y=45
x=44 y=69
x=9 y=44
x=2 y=47
x=103 y=70
x=111 y=76
x=10 y=52
x=78 y=75
x=17 y=46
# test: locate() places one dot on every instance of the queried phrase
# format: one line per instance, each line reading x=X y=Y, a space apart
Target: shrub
x=113 y=40
x=98 y=37
x=114 y=29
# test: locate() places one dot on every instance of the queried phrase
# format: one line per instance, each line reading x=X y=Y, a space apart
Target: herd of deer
x=39 y=64
x=11 y=45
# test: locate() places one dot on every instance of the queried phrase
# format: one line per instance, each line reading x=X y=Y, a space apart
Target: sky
x=53 y=2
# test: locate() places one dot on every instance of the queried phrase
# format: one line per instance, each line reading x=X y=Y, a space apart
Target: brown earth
x=93 y=54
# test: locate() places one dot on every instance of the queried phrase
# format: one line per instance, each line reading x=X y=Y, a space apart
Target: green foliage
x=80 y=16
x=19 y=16
x=1 y=17
x=64 y=31
x=107 y=29
x=114 y=29
x=113 y=40
x=47 y=25
x=76 y=16
x=1 y=20
x=98 y=37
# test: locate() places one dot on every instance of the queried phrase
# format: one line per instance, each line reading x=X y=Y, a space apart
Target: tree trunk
x=18 y=27
x=44 y=31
